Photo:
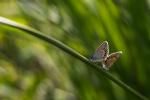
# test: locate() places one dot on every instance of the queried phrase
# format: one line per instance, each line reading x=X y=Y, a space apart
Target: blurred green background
x=31 y=69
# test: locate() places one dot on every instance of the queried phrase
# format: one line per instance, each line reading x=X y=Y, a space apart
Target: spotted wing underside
x=111 y=59
x=101 y=53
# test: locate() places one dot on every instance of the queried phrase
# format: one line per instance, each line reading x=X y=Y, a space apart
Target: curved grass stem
x=65 y=48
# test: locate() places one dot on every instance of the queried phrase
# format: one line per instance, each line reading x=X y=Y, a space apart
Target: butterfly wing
x=101 y=52
x=111 y=59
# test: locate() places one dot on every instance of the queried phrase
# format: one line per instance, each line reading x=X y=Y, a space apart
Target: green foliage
x=30 y=69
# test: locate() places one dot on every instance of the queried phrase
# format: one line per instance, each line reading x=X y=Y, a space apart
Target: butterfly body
x=102 y=55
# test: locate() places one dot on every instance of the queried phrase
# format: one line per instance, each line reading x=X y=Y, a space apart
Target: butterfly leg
x=104 y=66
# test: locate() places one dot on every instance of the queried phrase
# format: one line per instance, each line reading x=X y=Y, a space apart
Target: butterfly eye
x=101 y=52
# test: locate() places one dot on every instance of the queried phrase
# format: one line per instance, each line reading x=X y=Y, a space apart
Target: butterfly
x=102 y=55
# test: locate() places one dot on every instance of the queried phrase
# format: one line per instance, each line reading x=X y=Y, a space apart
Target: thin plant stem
x=65 y=48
